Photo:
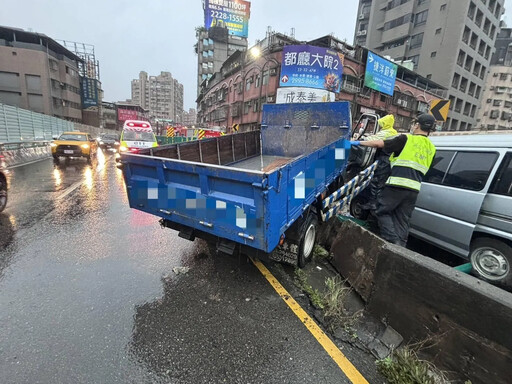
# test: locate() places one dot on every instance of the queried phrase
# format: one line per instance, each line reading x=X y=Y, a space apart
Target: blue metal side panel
x=221 y=201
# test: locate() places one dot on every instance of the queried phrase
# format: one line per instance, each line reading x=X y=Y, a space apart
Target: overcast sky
x=158 y=35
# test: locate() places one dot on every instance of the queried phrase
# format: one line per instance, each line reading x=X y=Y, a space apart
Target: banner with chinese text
x=231 y=14
x=312 y=67
x=303 y=95
x=380 y=74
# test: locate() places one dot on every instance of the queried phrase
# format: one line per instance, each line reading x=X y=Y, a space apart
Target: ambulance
x=136 y=135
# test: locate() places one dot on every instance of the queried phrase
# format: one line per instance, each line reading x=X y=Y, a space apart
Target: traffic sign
x=170 y=131
x=235 y=127
x=439 y=108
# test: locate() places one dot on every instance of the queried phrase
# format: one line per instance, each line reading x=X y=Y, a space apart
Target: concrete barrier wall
x=422 y=298
x=14 y=157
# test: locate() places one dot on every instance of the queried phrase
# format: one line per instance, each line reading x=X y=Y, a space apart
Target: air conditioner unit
x=273 y=71
x=361 y=16
x=270 y=99
x=361 y=33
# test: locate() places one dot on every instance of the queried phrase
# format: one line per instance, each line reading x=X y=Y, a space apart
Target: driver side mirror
x=55 y=137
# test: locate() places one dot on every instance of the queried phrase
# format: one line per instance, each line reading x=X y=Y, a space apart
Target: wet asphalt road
x=88 y=295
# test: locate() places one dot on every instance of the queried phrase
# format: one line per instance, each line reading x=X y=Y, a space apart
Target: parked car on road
x=108 y=141
x=3 y=184
x=465 y=203
x=74 y=144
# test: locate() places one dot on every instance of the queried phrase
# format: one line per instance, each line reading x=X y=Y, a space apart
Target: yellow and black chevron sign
x=235 y=127
x=439 y=108
x=170 y=131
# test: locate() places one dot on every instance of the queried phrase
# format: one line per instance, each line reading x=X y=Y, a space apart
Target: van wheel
x=307 y=241
x=491 y=260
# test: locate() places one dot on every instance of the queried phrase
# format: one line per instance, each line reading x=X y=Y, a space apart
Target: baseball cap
x=426 y=121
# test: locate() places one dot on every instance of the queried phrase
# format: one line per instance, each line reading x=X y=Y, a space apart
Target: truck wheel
x=3 y=194
x=307 y=241
x=491 y=260
x=356 y=210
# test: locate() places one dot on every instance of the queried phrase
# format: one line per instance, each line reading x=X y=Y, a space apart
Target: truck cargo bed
x=248 y=188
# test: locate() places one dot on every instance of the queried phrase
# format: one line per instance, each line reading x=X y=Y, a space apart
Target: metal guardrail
x=164 y=140
x=23 y=144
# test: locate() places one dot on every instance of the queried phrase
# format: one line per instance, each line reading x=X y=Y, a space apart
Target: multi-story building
x=495 y=112
x=162 y=95
x=108 y=115
x=39 y=74
x=450 y=42
x=235 y=95
x=503 y=53
x=189 y=118
x=213 y=48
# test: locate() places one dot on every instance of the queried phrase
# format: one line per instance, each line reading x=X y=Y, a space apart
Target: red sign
x=126 y=114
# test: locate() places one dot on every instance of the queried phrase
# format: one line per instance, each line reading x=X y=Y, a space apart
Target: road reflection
x=7 y=230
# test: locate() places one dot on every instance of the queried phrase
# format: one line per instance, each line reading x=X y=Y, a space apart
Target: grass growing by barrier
x=301 y=280
x=404 y=366
x=335 y=298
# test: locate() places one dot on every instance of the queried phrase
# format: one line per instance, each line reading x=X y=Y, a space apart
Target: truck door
x=361 y=157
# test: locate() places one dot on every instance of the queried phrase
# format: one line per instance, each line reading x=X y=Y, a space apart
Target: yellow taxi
x=74 y=144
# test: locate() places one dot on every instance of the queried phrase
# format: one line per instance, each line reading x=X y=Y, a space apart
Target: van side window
x=502 y=184
x=470 y=170
x=442 y=160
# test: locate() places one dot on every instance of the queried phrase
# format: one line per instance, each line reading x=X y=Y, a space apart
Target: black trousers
x=394 y=211
x=381 y=174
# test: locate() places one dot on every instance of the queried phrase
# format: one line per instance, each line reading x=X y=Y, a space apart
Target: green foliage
x=301 y=280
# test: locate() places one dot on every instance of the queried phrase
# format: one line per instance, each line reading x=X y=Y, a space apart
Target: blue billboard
x=230 y=14
x=312 y=67
x=380 y=74
x=89 y=92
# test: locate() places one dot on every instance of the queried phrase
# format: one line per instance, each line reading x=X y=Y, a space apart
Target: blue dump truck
x=262 y=192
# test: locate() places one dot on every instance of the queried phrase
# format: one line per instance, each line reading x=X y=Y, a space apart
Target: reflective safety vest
x=408 y=169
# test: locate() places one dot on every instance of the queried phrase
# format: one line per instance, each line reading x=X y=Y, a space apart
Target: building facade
x=39 y=74
x=450 y=42
x=503 y=52
x=129 y=111
x=108 y=115
x=495 y=112
x=189 y=118
x=213 y=48
x=162 y=95
x=235 y=95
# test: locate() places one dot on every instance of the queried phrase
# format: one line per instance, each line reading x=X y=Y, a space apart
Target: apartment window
x=473 y=110
x=477 y=92
x=503 y=76
x=489 y=101
x=496 y=103
x=205 y=53
x=493 y=31
x=416 y=40
x=454 y=124
x=458 y=105
x=482 y=72
x=487 y=26
x=248 y=84
x=452 y=102
x=479 y=18
x=471 y=11
x=494 y=114
x=497 y=13
x=421 y=18
x=397 y=22
x=395 y=3
x=481 y=48
x=460 y=58
x=467 y=109
x=474 y=40
x=508 y=104
x=466 y=34
x=462 y=126
x=255 y=105
x=421 y=2
x=257 y=83
x=429 y=76
x=472 y=87
x=438 y=31
x=469 y=63
x=210 y=53
x=492 y=4
x=433 y=54
x=415 y=59
x=442 y=7
x=264 y=80
x=491 y=126
x=487 y=52
x=463 y=84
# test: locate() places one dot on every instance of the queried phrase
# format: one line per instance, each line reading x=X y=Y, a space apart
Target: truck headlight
x=53 y=145
x=85 y=146
x=122 y=148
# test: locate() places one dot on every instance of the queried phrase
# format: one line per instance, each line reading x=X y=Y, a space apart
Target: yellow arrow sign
x=439 y=108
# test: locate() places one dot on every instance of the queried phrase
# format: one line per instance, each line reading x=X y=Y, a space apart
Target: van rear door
x=451 y=197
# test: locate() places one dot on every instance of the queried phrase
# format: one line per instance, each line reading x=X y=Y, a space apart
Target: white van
x=136 y=135
x=465 y=203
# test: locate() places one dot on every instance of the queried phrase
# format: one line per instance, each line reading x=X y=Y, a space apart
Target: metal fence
x=163 y=140
x=20 y=125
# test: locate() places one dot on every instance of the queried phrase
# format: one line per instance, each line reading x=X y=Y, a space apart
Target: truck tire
x=307 y=240
x=491 y=260
x=356 y=210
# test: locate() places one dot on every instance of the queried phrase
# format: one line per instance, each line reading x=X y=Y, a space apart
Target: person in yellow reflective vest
x=383 y=169
x=410 y=160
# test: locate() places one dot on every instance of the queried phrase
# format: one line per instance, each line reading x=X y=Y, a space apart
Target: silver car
x=465 y=203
